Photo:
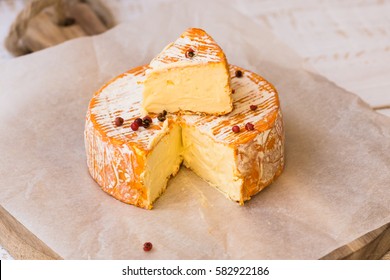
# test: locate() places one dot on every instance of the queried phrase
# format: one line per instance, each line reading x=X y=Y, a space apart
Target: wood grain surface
x=20 y=242
x=374 y=245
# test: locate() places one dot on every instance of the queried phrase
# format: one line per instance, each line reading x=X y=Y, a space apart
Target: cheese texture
x=212 y=161
x=197 y=83
x=134 y=166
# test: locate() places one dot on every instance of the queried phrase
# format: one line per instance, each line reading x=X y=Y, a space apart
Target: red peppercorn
x=134 y=126
x=190 y=53
x=236 y=129
x=147 y=118
x=238 y=73
x=138 y=121
x=253 y=107
x=118 y=121
x=249 y=126
x=233 y=90
x=148 y=246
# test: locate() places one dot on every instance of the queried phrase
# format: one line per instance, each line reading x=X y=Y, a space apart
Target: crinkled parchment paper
x=335 y=187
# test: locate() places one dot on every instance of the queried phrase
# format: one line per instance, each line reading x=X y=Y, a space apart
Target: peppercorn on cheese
x=189 y=75
x=134 y=166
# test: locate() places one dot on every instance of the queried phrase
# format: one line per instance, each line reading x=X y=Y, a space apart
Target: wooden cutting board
x=23 y=244
x=20 y=242
x=45 y=23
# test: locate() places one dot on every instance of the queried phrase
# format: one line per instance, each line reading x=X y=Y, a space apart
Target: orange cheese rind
x=205 y=48
x=117 y=156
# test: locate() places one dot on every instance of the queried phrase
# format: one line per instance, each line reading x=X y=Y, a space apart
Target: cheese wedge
x=189 y=75
x=134 y=166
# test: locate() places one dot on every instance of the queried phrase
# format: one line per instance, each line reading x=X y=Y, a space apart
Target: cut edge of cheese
x=238 y=170
x=146 y=171
x=212 y=161
x=176 y=82
x=162 y=162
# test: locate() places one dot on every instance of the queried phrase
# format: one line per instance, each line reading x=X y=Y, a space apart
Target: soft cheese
x=212 y=161
x=189 y=75
x=162 y=162
x=134 y=166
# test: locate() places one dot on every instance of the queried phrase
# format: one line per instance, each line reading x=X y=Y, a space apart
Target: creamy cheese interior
x=163 y=162
x=188 y=89
x=212 y=161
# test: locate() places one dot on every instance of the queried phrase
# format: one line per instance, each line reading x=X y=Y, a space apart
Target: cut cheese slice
x=134 y=166
x=189 y=74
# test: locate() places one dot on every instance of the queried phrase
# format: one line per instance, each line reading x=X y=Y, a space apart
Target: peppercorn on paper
x=335 y=186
